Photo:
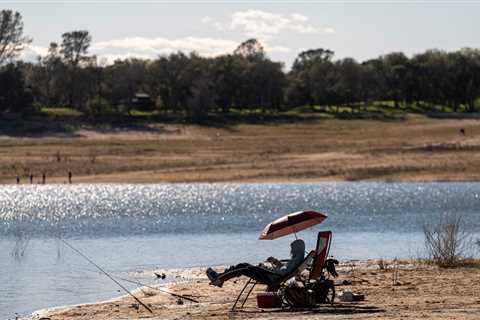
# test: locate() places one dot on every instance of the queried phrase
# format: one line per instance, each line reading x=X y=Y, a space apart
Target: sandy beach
x=420 y=291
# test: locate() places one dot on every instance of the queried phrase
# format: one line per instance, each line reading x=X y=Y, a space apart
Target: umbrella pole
x=294 y=233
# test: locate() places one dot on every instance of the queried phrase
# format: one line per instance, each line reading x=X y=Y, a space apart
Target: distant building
x=142 y=101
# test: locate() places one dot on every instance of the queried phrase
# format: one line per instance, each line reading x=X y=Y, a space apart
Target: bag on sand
x=298 y=296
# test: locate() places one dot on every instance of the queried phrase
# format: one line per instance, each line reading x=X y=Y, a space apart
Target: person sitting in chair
x=265 y=273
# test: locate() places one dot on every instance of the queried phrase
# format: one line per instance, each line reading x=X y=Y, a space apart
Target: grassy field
x=314 y=147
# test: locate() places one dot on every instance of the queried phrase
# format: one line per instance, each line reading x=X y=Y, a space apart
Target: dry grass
x=418 y=148
x=447 y=242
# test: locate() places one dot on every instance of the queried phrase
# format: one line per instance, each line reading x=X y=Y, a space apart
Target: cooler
x=269 y=300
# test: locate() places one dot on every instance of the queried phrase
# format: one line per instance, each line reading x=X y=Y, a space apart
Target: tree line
x=246 y=79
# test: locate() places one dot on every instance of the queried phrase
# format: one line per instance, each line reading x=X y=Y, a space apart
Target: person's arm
x=277 y=264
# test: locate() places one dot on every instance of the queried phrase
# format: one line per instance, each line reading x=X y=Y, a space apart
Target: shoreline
x=419 y=291
x=93 y=181
x=118 y=179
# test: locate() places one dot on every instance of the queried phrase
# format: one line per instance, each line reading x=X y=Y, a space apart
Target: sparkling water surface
x=133 y=229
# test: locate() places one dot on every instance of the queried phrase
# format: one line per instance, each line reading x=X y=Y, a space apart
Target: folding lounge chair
x=324 y=240
x=323 y=287
x=272 y=285
x=316 y=288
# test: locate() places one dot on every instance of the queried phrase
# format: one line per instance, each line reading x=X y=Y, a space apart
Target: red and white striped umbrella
x=291 y=223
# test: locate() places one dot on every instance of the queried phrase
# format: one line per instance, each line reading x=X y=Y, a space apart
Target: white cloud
x=31 y=53
x=206 y=19
x=259 y=24
x=329 y=30
x=266 y=25
x=299 y=17
x=276 y=49
x=216 y=24
x=151 y=48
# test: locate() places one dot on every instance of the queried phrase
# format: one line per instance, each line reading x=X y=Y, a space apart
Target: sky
x=358 y=29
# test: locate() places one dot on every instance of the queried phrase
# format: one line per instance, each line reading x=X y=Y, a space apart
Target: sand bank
x=416 y=148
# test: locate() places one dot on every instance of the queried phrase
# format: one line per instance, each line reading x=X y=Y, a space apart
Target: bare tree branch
x=12 y=40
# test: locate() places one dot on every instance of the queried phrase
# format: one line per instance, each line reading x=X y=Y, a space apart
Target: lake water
x=131 y=230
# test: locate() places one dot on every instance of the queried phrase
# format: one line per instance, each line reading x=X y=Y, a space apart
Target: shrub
x=98 y=106
x=15 y=97
x=447 y=242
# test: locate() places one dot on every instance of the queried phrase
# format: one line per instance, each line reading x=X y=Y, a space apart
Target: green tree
x=370 y=83
x=200 y=92
x=349 y=83
x=250 y=48
x=12 y=40
x=171 y=79
x=75 y=46
x=395 y=74
x=310 y=57
x=261 y=81
x=226 y=73
x=123 y=79
x=49 y=79
x=464 y=68
x=14 y=96
x=311 y=77
x=268 y=81
x=430 y=82
x=74 y=49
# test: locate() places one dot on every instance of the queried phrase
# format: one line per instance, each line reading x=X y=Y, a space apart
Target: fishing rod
x=105 y=273
x=164 y=291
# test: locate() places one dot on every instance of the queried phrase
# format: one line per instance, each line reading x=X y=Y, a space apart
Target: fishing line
x=186 y=297
x=105 y=273
x=154 y=288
